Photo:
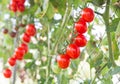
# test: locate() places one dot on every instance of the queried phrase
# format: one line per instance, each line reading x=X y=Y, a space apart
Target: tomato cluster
x=73 y=49
x=22 y=49
x=17 y=5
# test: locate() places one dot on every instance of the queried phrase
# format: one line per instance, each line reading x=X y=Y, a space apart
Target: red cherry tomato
x=24 y=46
x=63 y=61
x=17 y=57
x=31 y=30
x=21 y=1
x=7 y=73
x=80 y=40
x=13 y=6
x=19 y=53
x=73 y=51
x=81 y=26
x=12 y=61
x=21 y=8
x=26 y=38
x=87 y=14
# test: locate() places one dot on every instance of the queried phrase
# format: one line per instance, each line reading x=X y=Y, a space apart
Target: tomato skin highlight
x=73 y=51
x=87 y=14
x=80 y=40
x=63 y=61
x=7 y=73
x=80 y=26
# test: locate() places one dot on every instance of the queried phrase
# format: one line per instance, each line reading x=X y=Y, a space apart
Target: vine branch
x=106 y=20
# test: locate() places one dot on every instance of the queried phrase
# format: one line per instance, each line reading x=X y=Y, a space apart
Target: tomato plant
x=60 y=41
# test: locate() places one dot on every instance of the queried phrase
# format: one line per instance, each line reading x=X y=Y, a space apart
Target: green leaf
x=115 y=49
x=114 y=70
x=77 y=3
x=28 y=56
x=107 y=81
x=60 y=6
x=64 y=79
x=104 y=71
x=113 y=24
x=50 y=11
x=116 y=7
x=117 y=33
x=98 y=2
x=31 y=10
x=28 y=65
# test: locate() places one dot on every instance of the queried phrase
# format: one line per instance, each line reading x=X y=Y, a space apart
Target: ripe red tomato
x=80 y=40
x=21 y=8
x=81 y=26
x=17 y=57
x=13 y=7
x=24 y=46
x=87 y=14
x=7 y=73
x=19 y=53
x=73 y=51
x=26 y=38
x=21 y=1
x=12 y=61
x=63 y=61
x=31 y=30
x=15 y=0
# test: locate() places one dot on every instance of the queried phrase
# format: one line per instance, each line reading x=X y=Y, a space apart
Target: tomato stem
x=63 y=25
x=16 y=42
x=106 y=20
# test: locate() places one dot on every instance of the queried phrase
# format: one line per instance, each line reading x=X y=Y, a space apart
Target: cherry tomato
x=19 y=53
x=13 y=7
x=21 y=8
x=87 y=14
x=31 y=30
x=26 y=38
x=12 y=61
x=80 y=26
x=63 y=61
x=5 y=31
x=24 y=46
x=7 y=73
x=17 y=57
x=21 y=1
x=80 y=40
x=73 y=51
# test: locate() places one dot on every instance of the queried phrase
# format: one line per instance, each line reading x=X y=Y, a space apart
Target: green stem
x=63 y=25
x=106 y=20
x=16 y=42
x=64 y=22
x=97 y=73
